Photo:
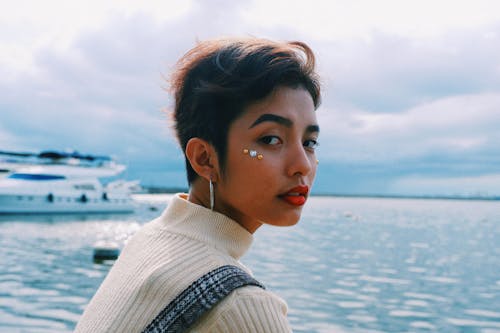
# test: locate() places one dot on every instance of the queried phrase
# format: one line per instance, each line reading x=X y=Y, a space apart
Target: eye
x=271 y=140
x=311 y=144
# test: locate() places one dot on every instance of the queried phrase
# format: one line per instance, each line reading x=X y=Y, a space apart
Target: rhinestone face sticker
x=253 y=153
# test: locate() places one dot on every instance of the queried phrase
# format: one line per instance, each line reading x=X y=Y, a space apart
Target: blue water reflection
x=350 y=265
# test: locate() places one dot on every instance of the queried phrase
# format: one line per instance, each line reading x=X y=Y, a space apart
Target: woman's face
x=272 y=189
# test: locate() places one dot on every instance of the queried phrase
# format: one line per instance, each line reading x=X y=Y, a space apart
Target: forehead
x=295 y=104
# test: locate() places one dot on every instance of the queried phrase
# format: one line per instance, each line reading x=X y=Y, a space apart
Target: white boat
x=11 y=161
x=64 y=183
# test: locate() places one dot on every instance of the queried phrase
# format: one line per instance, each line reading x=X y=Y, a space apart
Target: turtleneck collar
x=195 y=221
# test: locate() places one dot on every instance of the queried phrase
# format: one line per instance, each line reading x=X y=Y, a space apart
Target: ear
x=203 y=158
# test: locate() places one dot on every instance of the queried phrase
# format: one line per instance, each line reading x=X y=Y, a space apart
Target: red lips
x=296 y=196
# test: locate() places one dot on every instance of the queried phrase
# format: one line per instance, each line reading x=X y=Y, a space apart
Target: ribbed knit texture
x=164 y=258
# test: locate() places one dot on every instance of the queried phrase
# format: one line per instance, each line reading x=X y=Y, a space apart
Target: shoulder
x=247 y=309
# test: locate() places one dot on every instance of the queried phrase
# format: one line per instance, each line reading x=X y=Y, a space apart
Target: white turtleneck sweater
x=164 y=258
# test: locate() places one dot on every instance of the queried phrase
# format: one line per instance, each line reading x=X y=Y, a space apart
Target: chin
x=284 y=222
x=282 y=218
x=291 y=224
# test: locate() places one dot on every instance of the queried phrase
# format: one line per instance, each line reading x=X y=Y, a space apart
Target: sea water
x=350 y=265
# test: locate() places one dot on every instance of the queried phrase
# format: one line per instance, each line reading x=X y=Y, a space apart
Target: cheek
x=257 y=175
x=314 y=169
x=314 y=164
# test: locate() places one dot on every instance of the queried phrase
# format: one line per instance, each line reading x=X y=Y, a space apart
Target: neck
x=201 y=196
x=199 y=193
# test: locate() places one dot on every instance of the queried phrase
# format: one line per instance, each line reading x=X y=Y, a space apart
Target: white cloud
x=392 y=74
x=464 y=112
x=62 y=21
x=452 y=125
x=402 y=86
x=30 y=25
x=330 y=20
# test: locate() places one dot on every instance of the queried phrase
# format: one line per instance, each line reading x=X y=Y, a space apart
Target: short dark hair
x=215 y=81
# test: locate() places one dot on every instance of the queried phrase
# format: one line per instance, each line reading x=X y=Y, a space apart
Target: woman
x=245 y=119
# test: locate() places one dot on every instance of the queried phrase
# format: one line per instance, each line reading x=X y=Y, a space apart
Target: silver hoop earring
x=212 y=196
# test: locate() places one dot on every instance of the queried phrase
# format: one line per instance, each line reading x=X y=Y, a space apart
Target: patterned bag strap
x=198 y=298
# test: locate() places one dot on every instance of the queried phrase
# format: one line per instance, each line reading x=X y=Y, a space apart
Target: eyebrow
x=312 y=129
x=273 y=118
x=282 y=121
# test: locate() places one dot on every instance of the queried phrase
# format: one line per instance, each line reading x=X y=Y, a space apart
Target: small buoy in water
x=348 y=214
x=106 y=251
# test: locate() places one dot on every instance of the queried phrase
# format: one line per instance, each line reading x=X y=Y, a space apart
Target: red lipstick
x=296 y=196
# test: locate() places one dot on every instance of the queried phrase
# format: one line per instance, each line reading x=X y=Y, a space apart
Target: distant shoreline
x=170 y=190
x=423 y=197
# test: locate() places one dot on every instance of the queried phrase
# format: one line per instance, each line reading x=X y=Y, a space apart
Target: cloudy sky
x=411 y=89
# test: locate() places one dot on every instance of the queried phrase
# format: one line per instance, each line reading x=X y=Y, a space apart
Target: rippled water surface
x=350 y=265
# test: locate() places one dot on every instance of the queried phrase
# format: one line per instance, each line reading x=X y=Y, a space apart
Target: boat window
x=84 y=187
x=35 y=176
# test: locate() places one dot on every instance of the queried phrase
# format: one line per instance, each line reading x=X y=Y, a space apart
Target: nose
x=299 y=161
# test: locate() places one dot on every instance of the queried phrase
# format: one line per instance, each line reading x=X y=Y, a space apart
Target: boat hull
x=34 y=204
